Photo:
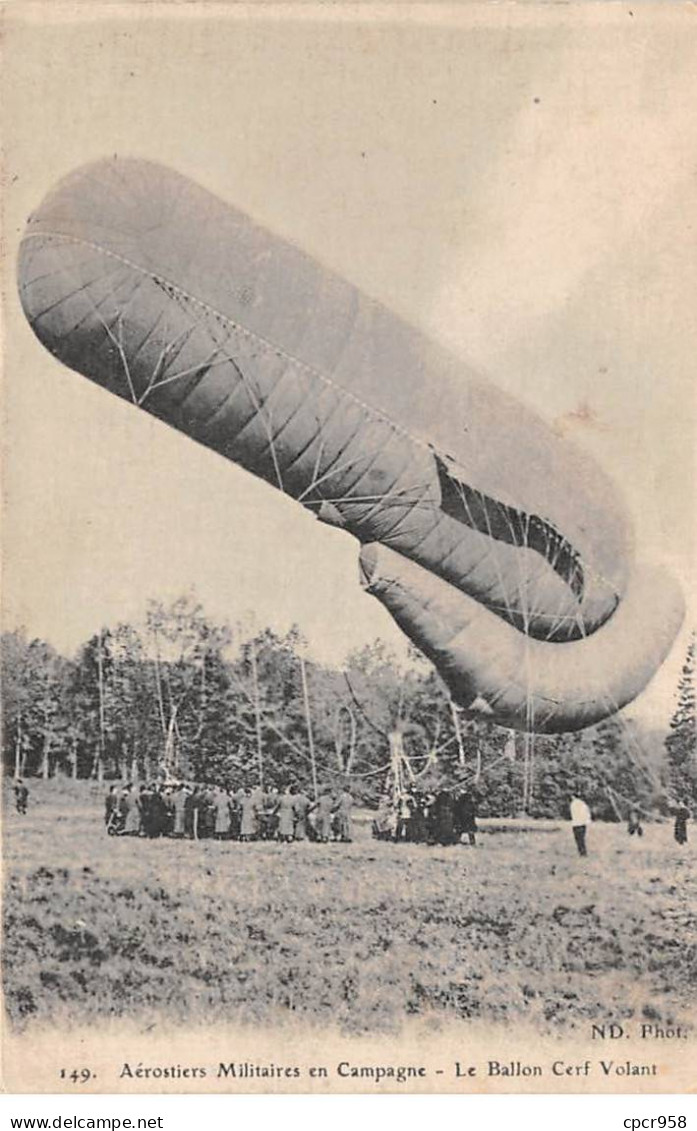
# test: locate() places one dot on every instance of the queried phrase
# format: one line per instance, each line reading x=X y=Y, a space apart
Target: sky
x=518 y=181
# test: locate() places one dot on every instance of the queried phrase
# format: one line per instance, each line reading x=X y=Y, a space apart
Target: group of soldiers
x=447 y=816
x=194 y=811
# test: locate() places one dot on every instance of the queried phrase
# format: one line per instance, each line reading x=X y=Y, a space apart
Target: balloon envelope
x=147 y=284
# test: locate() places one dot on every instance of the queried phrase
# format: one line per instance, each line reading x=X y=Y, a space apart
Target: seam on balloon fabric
x=312 y=371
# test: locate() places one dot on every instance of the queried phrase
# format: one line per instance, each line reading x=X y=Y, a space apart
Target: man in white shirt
x=580 y=819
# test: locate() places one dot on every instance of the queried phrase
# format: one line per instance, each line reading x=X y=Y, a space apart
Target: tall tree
x=681 y=743
x=181 y=640
x=34 y=708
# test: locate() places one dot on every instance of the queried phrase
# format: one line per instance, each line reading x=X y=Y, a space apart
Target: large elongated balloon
x=147 y=284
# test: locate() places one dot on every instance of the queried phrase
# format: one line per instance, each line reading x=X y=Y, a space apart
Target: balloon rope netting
x=399 y=768
x=388 y=768
x=219 y=355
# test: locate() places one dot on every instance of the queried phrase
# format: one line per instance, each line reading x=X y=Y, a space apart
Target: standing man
x=634 y=825
x=325 y=810
x=343 y=812
x=168 y=811
x=147 y=810
x=682 y=816
x=580 y=819
x=444 y=817
x=130 y=804
x=111 y=802
x=404 y=815
x=179 y=798
x=222 y=813
x=269 y=814
x=465 y=816
x=286 y=815
x=301 y=808
x=237 y=797
x=21 y=797
x=192 y=812
x=248 y=826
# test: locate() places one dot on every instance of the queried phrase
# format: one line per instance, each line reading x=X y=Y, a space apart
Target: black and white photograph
x=348 y=547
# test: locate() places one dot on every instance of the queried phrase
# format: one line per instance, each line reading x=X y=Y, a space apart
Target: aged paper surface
x=516 y=182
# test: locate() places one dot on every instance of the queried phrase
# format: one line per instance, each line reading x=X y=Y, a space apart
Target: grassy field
x=363 y=936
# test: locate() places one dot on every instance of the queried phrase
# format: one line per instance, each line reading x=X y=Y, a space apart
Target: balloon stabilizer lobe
x=153 y=288
x=520 y=682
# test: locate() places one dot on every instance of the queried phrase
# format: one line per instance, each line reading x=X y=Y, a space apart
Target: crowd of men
x=194 y=811
x=447 y=816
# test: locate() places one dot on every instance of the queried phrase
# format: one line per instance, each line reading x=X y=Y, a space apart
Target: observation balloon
x=165 y=295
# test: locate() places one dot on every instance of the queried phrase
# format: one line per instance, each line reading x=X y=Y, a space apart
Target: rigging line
x=609 y=701
x=559 y=617
x=384 y=501
x=436 y=751
x=318 y=460
x=94 y=307
x=373 y=412
x=200 y=368
x=400 y=701
x=297 y=749
x=623 y=797
x=382 y=447
x=259 y=406
x=163 y=358
x=361 y=773
x=492 y=552
x=332 y=472
x=632 y=742
x=207 y=362
x=252 y=335
x=119 y=346
x=342 y=447
x=277 y=381
x=321 y=416
x=366 y=716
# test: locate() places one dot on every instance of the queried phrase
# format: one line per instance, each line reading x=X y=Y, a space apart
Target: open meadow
x=361 y=936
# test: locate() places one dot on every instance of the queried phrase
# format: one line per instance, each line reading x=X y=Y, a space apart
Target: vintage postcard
x=348 y=542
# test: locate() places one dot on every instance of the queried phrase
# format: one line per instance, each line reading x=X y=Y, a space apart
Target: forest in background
x=182 y=696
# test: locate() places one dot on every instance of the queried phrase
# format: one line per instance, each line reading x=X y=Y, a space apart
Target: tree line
x=182 y=696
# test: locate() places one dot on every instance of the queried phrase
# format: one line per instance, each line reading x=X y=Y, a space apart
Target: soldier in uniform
x=179 y=799
x=111 y=802
x=193 y=812
x=465 y=816
x=443 y=818
x=147 y=810
x=404 y=817
x=385 y=823
x=222 y=814
x=130 y=807
x=206 y=811
x=167 y=795
x=236 y=799
x=248 y=827
x=418 y=826
x=634 y=825
x=286 y=815
x=682 y=816
x=343 y=811
x=301 y=807
x=21 y=797
x=325 y=808
x=268 y=816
